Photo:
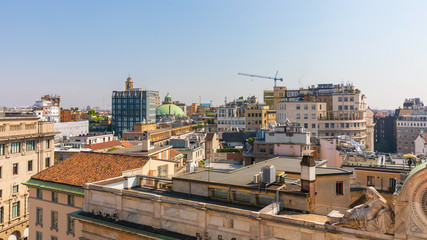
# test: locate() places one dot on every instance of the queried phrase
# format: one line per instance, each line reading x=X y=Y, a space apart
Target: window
x=313 y=116
x=339 y=107
x=1 y=172
x=298 y=106
x=39 y=236
x=313 y=125
x=1 y=214
x=1 y=149
x=54 y=196
x=332 y=125
x=15 y=169
x=53 y=238
x=30 y=165
x=1 y=193
x=47 y=143
x=339 y=188
x=30 y=145
x=305 y=125
x=162 y=171
x=392 y=184
x=47 y=162
x=346 y=99
x=15 y=188
x=39 y=193
x=305 y=116
x=313 y=106
x=16 y=147
x=71 y=200
x=298 y=116
x=345 y=107
x=339 y=99
x=15 y=209
x=54 y=220
x=351 y=99
x=70 y=225
x=305 y=107
x=371 y=181
x=326 y=125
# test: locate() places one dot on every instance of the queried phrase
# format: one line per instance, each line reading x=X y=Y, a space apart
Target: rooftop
x=244 y=176
x=136 y=150
x=103 y=145
x=89 y=167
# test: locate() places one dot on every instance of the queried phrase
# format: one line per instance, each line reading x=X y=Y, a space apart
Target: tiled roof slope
x=103 y=145
x=126 y=144
x=174 y=153
x=89 y=167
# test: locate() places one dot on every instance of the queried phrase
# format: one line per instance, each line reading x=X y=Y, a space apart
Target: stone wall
x=204 y=219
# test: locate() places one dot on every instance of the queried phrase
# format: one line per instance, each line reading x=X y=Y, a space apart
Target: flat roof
x=244 y=176
x=136 y=150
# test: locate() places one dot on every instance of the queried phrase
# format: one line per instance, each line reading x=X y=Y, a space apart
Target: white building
x=70 y=129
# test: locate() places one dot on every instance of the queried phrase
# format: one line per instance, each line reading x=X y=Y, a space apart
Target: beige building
x=57 y=191
x=307 y=113
x=259 y=117
x=345 y=112
x=26 y=148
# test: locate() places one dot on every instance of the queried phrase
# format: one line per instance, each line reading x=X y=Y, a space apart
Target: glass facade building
x=132 y=106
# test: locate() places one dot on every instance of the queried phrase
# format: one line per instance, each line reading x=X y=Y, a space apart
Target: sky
x=84 y=50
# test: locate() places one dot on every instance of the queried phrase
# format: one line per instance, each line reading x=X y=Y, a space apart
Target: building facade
x=306 y=113
x=259 y=116
x=26 y=148
x=385 y=134
x=409 y=126
x=132 y=106
x=344 y=111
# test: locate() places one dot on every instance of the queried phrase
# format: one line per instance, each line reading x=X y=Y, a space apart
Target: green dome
x=174 y=110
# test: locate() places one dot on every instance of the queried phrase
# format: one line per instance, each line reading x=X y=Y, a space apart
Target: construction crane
x=258 y=76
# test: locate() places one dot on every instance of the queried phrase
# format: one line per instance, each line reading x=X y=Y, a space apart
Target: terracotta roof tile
x=103 y=145
x=86 y=167
x=174 y=153
x=126 y=144
x=425 y=137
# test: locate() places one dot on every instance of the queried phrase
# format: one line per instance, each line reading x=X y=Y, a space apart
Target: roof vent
x=268 y=174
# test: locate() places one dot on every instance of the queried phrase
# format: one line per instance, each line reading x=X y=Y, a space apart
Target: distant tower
x=129 y=84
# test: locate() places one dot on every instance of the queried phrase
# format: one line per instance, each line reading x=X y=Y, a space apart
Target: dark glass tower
x=132 y=106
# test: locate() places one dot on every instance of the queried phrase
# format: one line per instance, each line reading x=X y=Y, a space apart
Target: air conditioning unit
x=268 y=174
x=257 y=178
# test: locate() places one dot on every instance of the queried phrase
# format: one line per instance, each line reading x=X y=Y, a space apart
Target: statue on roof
x=374 y=215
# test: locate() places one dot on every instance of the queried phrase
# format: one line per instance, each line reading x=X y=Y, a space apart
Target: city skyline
x=83 y=51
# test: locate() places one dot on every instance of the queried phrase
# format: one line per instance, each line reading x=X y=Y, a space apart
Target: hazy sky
x=83 y=50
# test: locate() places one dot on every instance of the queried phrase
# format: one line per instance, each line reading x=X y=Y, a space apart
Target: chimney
x=308 y=179
x=146 y=143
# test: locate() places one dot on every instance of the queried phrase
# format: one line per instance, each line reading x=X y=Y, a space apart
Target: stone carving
x=375 y=215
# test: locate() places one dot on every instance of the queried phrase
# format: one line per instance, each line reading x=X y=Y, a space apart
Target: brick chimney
x=308 y=179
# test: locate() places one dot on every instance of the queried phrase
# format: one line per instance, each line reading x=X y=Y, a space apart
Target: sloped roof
x=86 y=167
x=103 y=145
x=210 y=136
x=174 y=153
x=126 y=144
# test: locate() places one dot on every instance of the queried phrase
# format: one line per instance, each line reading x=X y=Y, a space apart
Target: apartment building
x=306 y=113
x=26 y=148
x=259 y=116
x=231 y=118
x=48 y=108
x=344 y=111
